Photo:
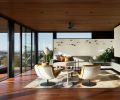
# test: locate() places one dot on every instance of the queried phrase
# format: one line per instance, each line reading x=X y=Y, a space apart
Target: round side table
x=68 y=83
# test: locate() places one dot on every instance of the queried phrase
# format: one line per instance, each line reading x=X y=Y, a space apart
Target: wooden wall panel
x=54 y=15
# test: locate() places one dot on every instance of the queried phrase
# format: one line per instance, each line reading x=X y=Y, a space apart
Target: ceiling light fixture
x=71 y=25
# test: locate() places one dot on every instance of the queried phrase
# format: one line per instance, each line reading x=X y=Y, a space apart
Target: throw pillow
x=57 y=57
x=68 y=58
x=62 y=58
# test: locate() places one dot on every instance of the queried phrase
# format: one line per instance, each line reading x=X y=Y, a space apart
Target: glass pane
x=45 y=41
x=26 y=51
x=3 y=48
x=17 y=49
x=75 y=35
x=23 y=52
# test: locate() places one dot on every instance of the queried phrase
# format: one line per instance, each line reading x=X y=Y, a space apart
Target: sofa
x=73 y=62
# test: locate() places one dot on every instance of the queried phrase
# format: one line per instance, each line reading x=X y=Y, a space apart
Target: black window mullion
x=11 y=49
x=36 y=47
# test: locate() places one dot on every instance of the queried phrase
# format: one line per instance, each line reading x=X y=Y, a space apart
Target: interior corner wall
x=117 y=41
x=81 y=47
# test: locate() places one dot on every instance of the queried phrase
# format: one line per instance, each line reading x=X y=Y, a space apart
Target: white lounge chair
x=89 y=72
x=46 y=72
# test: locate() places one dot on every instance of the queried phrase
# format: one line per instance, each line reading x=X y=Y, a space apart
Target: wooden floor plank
x=13 y=89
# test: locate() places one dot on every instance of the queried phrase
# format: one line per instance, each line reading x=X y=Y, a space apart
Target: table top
x=68 y=70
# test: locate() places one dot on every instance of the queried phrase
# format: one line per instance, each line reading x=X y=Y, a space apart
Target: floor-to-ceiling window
x=16 y=49
x=3 y=48
x=21 y=44
x=45 y=40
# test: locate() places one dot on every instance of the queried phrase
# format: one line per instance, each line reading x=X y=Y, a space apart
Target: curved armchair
x=89 y=72
x=46 y=72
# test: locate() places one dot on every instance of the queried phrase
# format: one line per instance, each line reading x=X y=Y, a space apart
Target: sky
x=3 y=42
x=74 y=35
x=45 y=40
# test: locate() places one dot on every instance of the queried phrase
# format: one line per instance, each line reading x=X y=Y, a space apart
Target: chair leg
x=48 y=83
x=88 y=83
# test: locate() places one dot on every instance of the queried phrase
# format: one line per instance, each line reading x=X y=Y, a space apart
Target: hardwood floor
x=13 y=89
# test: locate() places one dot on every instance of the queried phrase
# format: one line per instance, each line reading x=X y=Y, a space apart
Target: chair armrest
x=51 y=62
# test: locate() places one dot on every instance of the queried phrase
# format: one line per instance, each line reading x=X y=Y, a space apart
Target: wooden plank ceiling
x=54 y=15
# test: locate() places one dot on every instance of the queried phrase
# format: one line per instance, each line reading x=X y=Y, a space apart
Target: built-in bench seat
x=3 y=69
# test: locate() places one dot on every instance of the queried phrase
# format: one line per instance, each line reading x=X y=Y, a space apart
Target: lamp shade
x=46 y=51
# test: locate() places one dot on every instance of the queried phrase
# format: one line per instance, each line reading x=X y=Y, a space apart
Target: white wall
x=82 y=47
x=117 y=41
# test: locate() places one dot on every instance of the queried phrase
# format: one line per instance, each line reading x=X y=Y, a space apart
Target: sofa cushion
x=62 y=58
x=68 y=58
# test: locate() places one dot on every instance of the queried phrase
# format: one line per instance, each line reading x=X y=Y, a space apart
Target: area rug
x=106 y=79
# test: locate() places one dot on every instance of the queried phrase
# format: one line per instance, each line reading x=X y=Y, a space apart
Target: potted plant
x=48 y=56
x=107 y=56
